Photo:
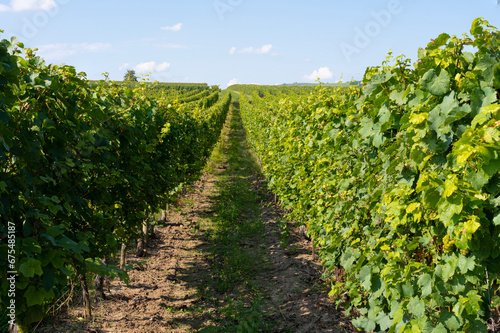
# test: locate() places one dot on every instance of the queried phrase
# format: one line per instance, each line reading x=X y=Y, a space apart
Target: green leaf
x=384 y=114
x=4 y=116
x=477 y=179
x=376 y=81
x=480 y=119
x=31 y=246
x=448 y=271
x=97 y=267
x=30 y=267
x=398 y=316
x=457 y=284
x=496 y=76
x=399 y=96
x=348 y=258
x=445 y=113
x=367 y=129
x=57 y=259
x=425 y=283
x=50 y=238
x=496 y=219
x=438 y=42
x=471 y=225
x=476 y=27
x=466 y=264
x=111 y=240
x=451 y=321
x=69 y=244
x=450 y=187
x=436 y=85
x=418 y=118
x=416 y=307
x=365 y=275
x=56 y=230
x=39 y=295
x=364 y=323
x=479 y=326
x=384 y=321
x=457 y=113
x=439 y=329
x=449 y=208
x=49 y=278
x=487 y=64
x=491 y=109
x=407 y=289
x=378 y=139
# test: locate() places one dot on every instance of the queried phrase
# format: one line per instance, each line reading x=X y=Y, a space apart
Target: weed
x=285 y=234
x=235 y=226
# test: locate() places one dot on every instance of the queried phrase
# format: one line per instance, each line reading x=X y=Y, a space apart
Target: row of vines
x=398 y=182
x=82 y=166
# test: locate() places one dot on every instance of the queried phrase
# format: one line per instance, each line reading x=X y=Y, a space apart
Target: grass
x=235 y=230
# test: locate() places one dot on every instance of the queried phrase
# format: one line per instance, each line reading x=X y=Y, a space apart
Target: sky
x=224 y=42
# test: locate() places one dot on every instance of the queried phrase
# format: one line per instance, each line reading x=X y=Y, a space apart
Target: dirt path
x=217 y=264
x=163 y=293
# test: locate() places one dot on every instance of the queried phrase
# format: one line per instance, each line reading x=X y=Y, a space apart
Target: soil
x=295 y=285
x=163 y=294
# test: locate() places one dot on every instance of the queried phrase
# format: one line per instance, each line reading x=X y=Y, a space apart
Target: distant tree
x=130 y=75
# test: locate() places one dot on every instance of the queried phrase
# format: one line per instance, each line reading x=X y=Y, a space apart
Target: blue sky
x=234 y=41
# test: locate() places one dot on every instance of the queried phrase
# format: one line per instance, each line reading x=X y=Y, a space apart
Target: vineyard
x=84 y=165
x=397 y=182
x=396 y=178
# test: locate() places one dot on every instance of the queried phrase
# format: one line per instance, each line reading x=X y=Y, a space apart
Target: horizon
x=225 y=42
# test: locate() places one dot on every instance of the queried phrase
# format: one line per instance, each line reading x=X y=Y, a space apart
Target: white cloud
x=174 y=28
x=322 y=73
x=164 y=66
x=233 y=81
x=21 y=5
x=152 y=67
x=124 y=66
x=265 y=49
x=60 y=51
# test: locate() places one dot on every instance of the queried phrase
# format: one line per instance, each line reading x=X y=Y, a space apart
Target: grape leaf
x=36 y=296
x=466 y=264
x=425 y=283
x=416 y=307
x=30 y=267
x=436 y=85
x=496 y=76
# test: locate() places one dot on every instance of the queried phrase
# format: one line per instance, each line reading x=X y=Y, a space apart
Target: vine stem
x=489 y=295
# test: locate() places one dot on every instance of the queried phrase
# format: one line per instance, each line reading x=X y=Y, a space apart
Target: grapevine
x=397 y=181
